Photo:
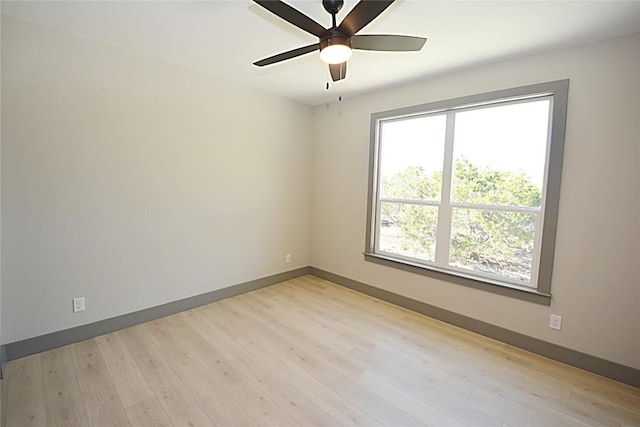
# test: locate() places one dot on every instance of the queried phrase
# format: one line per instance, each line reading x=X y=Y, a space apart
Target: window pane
x=493 y=242
x=412 y=153
x=408 y=230
x=499 y=154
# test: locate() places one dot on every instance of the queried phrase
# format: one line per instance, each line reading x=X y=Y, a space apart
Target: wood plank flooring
x=305 y=352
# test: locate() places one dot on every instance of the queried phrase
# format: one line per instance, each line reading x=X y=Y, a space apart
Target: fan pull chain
x=327 y=88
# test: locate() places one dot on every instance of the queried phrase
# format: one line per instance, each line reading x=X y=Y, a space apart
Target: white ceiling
x=223 y=38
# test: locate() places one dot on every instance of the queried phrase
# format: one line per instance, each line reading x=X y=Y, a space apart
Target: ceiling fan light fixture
x=335 y=42
x=335 y=50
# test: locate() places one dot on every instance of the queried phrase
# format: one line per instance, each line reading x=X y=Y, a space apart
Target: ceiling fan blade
x=292 y=16
x=364 y=12
x=387 y=42
x=287 y=55
x=338 y=71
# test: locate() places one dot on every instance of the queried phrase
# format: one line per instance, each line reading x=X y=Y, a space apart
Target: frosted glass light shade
x=335 y=54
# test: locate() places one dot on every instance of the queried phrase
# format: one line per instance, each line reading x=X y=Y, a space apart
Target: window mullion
x=445 y=211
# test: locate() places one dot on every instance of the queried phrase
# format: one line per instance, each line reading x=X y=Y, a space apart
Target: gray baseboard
x=18 y=349
x=3 y=360
x=606 y=368
x=615 y=371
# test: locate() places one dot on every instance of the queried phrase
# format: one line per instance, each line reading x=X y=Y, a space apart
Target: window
x=467 y=189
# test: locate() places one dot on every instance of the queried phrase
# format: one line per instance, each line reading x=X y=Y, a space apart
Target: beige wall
x=134 y=182
x=596 y=282
x=1 y=341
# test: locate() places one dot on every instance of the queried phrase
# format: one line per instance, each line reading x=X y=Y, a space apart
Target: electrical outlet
x=78 y=304
x=555 y=322
x=287 y=258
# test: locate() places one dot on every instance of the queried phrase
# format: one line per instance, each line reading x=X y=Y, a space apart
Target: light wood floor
x=305 y=352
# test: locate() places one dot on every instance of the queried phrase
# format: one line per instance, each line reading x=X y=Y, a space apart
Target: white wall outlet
x=555 y=322
x=287 y=258
x=78 y=304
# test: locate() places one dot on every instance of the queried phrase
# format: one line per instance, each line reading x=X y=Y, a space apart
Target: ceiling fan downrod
x=333 y=7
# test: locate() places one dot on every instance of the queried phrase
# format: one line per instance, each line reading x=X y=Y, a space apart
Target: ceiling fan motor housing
x=334 y=37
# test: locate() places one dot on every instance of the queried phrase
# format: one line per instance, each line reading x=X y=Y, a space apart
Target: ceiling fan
x=335 y=43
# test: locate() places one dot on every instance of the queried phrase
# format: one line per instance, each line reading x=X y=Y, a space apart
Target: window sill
x=506 y=289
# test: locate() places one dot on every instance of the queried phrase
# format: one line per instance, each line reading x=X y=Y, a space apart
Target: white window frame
x=539 y=290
